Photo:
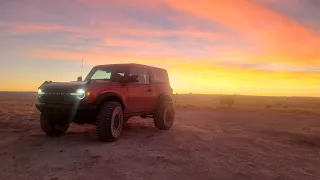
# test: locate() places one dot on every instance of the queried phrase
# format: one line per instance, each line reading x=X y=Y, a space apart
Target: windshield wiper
x=100 y=79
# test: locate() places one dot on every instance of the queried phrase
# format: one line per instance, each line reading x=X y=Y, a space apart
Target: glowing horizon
x=258 y=47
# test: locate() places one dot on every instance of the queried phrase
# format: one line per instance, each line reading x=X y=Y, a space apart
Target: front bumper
x=65 y=107
x=78 y=113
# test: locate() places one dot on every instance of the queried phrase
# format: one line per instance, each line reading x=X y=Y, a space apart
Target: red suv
x=108 y=97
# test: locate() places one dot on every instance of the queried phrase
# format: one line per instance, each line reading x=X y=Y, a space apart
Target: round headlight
x=40 y=92
x=80 y=93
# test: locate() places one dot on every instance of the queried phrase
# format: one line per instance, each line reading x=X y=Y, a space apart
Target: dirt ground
x=203 y=144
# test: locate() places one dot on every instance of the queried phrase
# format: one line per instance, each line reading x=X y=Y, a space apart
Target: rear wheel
x=110 y=121
x=53 y=127
x=164 y=115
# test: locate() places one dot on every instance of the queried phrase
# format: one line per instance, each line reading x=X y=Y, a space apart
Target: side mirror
x=79 y=78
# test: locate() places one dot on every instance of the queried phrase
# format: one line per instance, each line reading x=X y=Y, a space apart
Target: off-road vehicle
x=107 y=98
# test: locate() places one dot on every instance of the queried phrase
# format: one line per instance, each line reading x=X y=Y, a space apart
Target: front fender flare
x=102 y=97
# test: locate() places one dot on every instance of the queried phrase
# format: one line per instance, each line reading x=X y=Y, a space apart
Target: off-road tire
x=164 y=115
x=52 y=127
x=110 y=113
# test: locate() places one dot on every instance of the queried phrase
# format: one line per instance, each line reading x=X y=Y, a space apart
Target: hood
x=63 y=86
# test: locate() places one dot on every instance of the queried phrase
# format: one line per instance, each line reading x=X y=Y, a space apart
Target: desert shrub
x=189 y=106
x=268 y=106
x=227 y=100
x=285 y=106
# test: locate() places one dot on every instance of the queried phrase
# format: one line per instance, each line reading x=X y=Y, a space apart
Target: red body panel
x=139 y=98
x=135 y=97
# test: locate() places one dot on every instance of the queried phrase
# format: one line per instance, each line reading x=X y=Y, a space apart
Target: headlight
x=40 y=92
x=80 y=93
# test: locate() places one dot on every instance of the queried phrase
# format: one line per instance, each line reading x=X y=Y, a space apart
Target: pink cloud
x=24 y=28
x=130 y=43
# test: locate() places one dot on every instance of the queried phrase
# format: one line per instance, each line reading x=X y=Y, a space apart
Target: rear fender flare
x=164 y=97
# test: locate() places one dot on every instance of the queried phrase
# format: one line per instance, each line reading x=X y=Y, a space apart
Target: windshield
x=107 y=73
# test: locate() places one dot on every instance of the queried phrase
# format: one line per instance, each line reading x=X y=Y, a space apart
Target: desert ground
x=255 y=138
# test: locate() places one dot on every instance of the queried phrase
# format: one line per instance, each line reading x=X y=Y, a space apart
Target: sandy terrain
x=204 y=143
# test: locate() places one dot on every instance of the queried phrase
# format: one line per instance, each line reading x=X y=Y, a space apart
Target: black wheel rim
x=168 y=116
x=116 y=122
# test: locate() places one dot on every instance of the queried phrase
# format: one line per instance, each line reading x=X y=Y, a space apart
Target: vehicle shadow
x=34 y=141
x=77 y=136
x=135 y=128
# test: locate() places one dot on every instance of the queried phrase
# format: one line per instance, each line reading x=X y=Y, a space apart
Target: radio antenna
x=81 y=66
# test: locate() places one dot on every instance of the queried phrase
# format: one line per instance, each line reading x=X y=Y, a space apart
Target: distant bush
x=227 y=100
x=268 y=106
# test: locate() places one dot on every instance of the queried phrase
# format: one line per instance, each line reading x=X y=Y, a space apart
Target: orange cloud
x=279 y=38
x=98 y=56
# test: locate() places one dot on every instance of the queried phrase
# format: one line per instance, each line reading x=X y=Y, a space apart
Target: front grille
x=57 y=97
x=60 y=90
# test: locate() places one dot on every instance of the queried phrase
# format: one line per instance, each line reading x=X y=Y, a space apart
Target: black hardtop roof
x=133 y=65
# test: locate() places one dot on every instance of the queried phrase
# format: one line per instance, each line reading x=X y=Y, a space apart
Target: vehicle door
x=139 y=93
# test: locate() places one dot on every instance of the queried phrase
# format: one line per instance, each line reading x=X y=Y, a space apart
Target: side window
x=143 y=75
x=160 y=76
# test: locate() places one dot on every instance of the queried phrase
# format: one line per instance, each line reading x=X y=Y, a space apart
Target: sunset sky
x=250 y=47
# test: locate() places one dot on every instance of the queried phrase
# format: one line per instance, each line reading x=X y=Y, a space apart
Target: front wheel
x=164 y=115
x=53 y=127
x=109 y=121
